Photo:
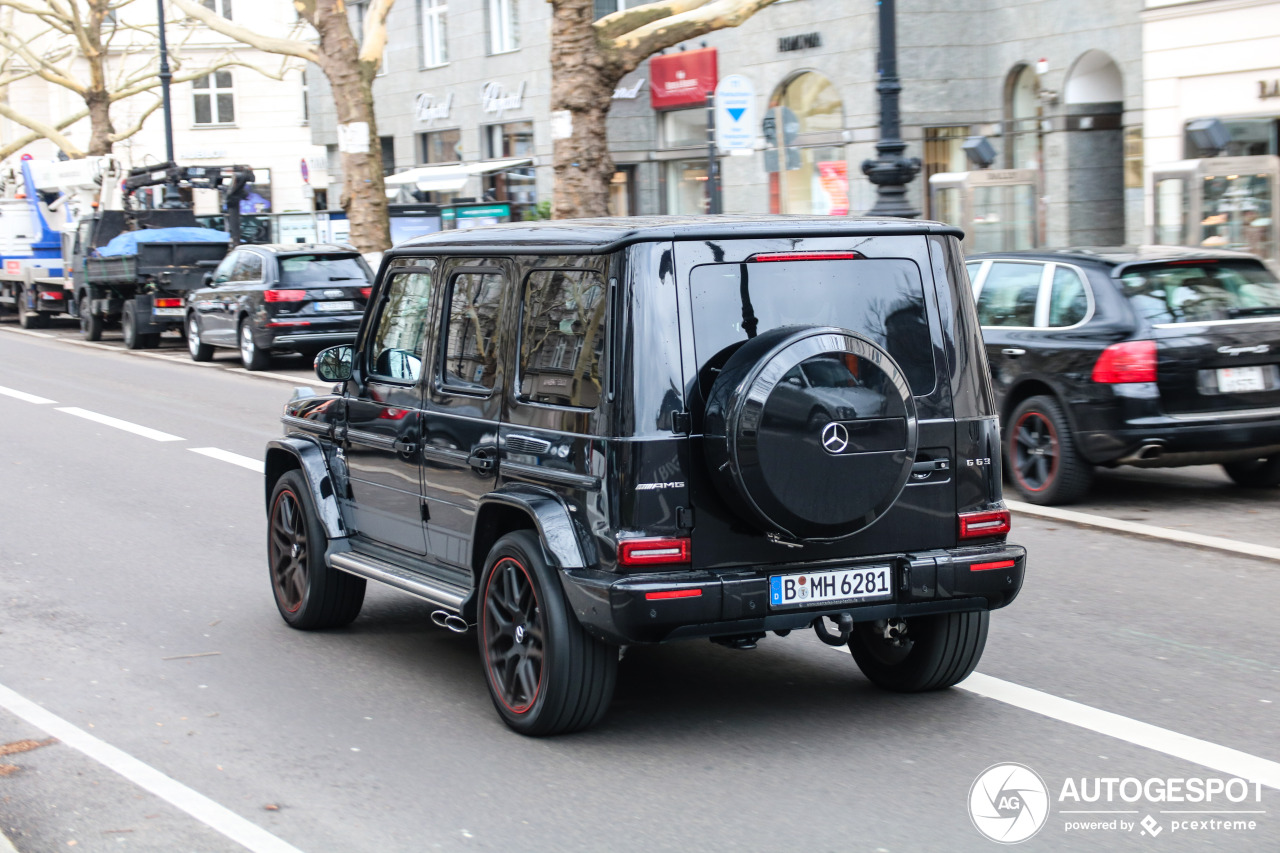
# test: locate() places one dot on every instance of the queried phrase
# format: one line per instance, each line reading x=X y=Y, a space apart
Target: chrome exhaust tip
x=452 y=621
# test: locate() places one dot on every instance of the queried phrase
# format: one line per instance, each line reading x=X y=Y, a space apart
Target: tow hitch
x=844 y=627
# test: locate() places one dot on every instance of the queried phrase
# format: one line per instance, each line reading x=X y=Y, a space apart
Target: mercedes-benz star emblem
x=835 y=438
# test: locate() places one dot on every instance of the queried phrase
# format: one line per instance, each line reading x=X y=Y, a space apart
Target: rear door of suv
x=1216 y=323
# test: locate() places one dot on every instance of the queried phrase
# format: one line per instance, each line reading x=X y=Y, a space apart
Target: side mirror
x=334 y=364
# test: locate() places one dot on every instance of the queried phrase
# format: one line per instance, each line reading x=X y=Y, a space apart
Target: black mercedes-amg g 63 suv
x=577 y=435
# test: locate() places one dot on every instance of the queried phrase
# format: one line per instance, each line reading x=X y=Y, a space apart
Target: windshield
x=304 y=269
x=1201 y=291
x=881 y=299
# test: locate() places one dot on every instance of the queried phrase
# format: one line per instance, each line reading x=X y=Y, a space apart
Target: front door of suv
x=384 y=414
x=464 y=402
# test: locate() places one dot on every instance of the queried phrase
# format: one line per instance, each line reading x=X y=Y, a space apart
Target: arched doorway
x=1093 y=101
x=821 y=183
x=1022 y=119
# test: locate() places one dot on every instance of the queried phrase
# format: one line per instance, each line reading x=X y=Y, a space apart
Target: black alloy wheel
x=926 y=653
x=1261 y=473
x=1041 y=454
x=90 y=324
x=545 y=673
x=308 y=593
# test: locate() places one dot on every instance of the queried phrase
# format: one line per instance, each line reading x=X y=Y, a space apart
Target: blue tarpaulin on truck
x=127 y=242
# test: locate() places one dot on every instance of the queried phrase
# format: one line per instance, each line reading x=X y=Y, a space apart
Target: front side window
x=504 y=25
x=562 y=334
x=1068 y=300
x=395 y=351
x=471 y=336
x=1202 y=292
x=435 y=32
x=214 y=100
x=1009 y=294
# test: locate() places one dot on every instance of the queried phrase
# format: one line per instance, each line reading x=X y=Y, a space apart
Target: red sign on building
x=682 y=79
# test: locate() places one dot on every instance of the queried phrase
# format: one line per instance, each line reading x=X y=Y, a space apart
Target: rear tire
x=309 y=594
x=1255 y=473
x=198 y=350
x=90 y=324
x=129 y=328
x=938 y=651
x=252 y=356
x=546 y=674
x=1043 y=462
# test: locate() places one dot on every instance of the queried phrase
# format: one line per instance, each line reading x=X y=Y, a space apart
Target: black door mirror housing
x=334 y=364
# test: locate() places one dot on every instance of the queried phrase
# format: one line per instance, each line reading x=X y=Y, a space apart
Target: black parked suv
x=1153 y=356
x=578 y=435
x=291 y=297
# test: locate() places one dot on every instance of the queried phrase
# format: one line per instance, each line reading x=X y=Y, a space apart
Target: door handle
x=402 y=446
x=1013 y=351
x=481 y=460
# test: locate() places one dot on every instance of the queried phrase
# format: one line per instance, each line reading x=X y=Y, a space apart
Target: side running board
x=440 y=593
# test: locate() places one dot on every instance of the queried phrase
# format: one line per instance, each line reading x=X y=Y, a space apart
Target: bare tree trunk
x=100 y=127
x=583 y=79
x=364 y=196
x=96 y=96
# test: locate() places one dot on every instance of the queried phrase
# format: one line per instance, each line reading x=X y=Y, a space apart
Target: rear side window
x=562 y=334
x=248 y=267
x=396 y=349
x=880 y=298
x=1009 y=293
x=306 y=269
x=471 y=344
x=1201 y=292
x=1068 y=300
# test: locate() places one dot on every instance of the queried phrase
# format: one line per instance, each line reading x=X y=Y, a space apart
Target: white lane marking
x=31 y=333
x=105 y=420
x=1221 y=758
x=211 y=814
x=1149 y=531
x=23 y=395
x=233 y=458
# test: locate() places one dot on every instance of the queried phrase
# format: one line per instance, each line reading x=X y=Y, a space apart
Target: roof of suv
x=1118 y=255
x=301 y=248
x=607 y=234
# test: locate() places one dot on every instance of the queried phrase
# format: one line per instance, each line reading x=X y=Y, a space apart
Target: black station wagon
x=578 y=435
x=1153 y=356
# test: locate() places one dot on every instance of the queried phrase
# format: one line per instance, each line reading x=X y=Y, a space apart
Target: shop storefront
x=820 y=183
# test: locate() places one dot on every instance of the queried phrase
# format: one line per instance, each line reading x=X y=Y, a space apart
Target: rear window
x=301 y=269
x=1201 y=292
x=882 y=299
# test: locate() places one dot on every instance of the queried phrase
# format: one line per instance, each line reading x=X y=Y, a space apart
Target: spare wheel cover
x=811 y=432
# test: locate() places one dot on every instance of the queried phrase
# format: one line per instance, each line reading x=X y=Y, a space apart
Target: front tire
x=308 y=593
x=198 y=350
x=1255 y=473
x=936 y=652
x=1042 y=458
x=252 y=356
x=546 y=674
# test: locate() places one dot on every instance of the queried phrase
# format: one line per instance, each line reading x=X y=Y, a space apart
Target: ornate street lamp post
x=890 y=171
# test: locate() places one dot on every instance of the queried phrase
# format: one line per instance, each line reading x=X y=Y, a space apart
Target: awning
x=451 y=177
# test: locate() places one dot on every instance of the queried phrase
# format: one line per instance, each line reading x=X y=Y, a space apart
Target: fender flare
x=551 y=517
x=307 y=455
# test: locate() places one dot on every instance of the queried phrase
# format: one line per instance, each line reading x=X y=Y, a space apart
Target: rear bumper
x=1117 y=432
x=617 y=609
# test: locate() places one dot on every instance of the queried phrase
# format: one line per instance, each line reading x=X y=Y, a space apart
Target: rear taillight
x=653 y=552
x=168 y=303
x=984 y=523
x=284 y=295
x=366 y=292
x=1130 y=361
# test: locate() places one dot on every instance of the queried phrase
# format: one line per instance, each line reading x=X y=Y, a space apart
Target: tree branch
x=611 y=26
x=137 y=126
x=219 y=24
x=634 y=47
x=375 y=31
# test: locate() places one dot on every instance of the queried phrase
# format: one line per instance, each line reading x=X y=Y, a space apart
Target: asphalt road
x=135 y=608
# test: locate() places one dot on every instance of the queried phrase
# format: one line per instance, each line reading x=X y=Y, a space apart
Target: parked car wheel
x=1042 y=458
x=199 y=350
x=1256 y=473
x=545 y=673
x=308 y=593
x=934 y=651
x=253 y=356
x=90 y=323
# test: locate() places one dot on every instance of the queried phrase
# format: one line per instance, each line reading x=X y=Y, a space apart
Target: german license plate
x=344 y=305
x=168 y=312
x=873 y=583
x=1232 y=380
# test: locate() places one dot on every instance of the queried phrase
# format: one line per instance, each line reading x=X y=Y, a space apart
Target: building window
x=358 y=9
x=516 y=185
x=513 y=139
x=306 y=108
x=687 y=186
x=622 y=192
x=684 y=128
x=504 y=26
x=435 y=32
x=1022 y=119
x=440 y=146
x=608 y=7
x=943 y=152
x=388 y=147
x=821 y=183
x=215 y=101
x=220 y=7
